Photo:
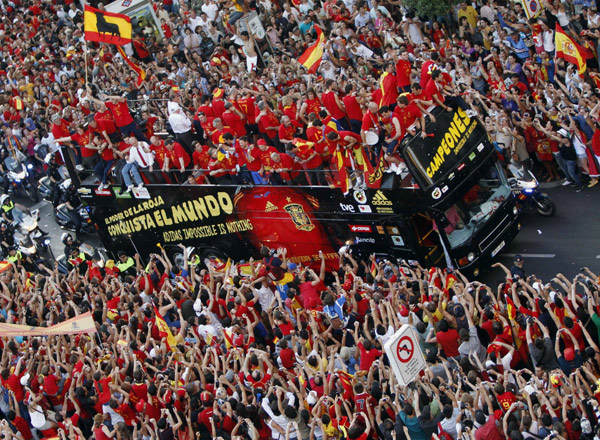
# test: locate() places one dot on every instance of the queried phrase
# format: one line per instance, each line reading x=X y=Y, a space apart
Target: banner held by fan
x=78 y=325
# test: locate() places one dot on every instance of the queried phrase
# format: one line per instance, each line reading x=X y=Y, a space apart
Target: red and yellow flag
x=569 y=50
x=164 y=331
x=141 y=73
x=311 y=58
x=106 y=27
x=374 y=176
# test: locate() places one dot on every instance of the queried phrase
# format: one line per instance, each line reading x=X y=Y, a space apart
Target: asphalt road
x=562 y=243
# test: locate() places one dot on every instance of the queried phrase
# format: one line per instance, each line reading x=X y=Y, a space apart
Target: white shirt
x=139 y=156
x=180 y=123
x=265 y=297
x=211 y=10
x=194 y=22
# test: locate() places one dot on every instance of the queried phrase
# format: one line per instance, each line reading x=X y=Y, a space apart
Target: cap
x=518 y=258
x=292 y=266
x=569 y=354
x=498 y=414
x=563 y=132
x=490 y=364
x=217 y=93
x=261 y=142
x=312 y=398
x=205 y=397
x=403 y=311
x=25 y=379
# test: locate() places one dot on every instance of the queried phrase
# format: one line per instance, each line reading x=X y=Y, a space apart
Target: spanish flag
x=164 y=330
x=311 y=58
x=106 y=27
x=141 y=73
x=569 y=50
x=4 y=265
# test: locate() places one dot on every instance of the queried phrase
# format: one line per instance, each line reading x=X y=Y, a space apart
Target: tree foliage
x=430 y=8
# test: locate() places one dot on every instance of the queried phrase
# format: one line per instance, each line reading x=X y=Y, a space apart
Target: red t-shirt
x=449 y=341
x=120 y=112
x=330 y=103
x=403 y=71
x=105 y=121
x=367 y=357
x=177 y=153
x=353 y=108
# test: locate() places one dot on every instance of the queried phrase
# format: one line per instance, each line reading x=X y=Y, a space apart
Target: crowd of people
x=269 y=349
x=269 y=120
x=281 y=351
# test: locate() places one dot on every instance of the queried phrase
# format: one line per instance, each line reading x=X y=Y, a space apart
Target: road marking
x=534 y=255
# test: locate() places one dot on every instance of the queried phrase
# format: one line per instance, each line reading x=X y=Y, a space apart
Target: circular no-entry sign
x=405 y=349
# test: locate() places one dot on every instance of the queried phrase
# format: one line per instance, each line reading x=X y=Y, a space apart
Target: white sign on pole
x=405 y=355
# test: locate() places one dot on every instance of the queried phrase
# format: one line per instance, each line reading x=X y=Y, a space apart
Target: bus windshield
x=476 y=206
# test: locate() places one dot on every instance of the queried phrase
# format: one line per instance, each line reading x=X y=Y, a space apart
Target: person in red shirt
x=122 y=117
x=428 y=67
x=106 y=123
x=368 y=354
x=311 y=160
x=403 y=71
x=335 y=106
x=448 y=339
x=235 y=119
x=176 y=158
x=200 y=160
x=286 y=168
x=82 y=137
x=287 y=132
x=268 y=124
x=311 y=105
x=352 y=104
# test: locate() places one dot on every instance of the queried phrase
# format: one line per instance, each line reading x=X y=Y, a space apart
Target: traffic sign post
x=405 y=355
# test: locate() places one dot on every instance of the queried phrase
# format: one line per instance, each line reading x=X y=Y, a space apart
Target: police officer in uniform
x=67 y=240
x=77 y=259
x=7 y=239
x=126 y=265
x=55 y=178
x=72 y=202
x=8 y=209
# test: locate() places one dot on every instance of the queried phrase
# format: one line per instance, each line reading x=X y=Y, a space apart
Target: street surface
x=562 y=243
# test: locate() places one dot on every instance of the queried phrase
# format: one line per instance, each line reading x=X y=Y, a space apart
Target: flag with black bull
x=106 y=27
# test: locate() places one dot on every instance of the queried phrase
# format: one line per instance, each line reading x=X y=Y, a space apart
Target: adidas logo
x=270 y=207
x=380 y=199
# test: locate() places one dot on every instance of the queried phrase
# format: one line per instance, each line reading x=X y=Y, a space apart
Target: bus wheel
x=212 y=254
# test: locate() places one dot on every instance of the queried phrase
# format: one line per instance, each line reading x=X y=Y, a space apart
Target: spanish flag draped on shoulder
x=311 y=58
x=569 y=50
x=106 y=27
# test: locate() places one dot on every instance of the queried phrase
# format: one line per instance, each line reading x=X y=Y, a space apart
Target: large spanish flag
x=106 y=27
x=568 y=49
x=141 y=73
x=311 y=58
x=164 y=331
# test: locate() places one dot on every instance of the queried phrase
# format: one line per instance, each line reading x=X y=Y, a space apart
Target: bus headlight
x=515 y=210
x=470 y=256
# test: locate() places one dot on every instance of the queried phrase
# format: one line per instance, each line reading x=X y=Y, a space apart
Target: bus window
x=476 y=206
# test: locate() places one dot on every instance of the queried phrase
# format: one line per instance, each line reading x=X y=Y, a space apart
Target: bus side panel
x=236 y=221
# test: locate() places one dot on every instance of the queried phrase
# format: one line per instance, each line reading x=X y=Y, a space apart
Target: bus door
x=427 y=240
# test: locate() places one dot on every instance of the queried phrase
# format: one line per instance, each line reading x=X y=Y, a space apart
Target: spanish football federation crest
x=299 y=217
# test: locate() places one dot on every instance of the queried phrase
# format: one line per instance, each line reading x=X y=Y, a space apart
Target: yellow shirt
x=471 y=15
